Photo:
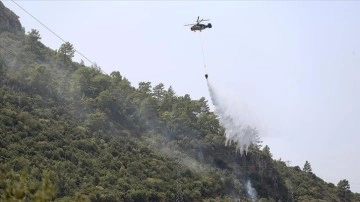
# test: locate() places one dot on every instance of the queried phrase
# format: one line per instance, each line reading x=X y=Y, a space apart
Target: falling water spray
x=237 y=128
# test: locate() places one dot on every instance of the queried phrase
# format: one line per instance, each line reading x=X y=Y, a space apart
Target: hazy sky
x=293 y=67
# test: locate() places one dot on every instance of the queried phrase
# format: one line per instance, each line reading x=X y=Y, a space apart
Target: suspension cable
x=203 y=53
x=51 y=31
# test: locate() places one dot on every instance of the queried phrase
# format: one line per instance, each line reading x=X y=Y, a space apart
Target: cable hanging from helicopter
x=200 y=27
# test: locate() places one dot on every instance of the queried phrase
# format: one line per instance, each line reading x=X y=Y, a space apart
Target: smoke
x=237 y=126
x=251 y=191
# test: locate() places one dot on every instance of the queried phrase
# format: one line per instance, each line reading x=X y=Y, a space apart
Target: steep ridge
x=9 y=21
x=69 y=132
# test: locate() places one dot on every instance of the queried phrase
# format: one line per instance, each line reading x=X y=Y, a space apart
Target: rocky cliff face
x=9 y=21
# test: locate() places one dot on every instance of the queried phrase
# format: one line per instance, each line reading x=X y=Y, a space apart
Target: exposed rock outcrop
x=9 y=21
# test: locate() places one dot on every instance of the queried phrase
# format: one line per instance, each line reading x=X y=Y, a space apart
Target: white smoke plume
x=237 y=127
x=251 y=191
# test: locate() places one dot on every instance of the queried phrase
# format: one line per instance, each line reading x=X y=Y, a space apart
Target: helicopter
x=199 y=26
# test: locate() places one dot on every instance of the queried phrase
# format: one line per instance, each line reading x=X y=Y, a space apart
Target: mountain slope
x=9 y=20
x=72 y=133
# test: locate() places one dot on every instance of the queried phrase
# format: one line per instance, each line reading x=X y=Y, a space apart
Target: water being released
x=237 y=129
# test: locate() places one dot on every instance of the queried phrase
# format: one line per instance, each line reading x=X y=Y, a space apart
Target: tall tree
x=67 y=50
x=266 y=150
x=159 y=91
x=344 y=190
x=34 y=35
x=33 y=40
x=307 y=167
x=115 y=77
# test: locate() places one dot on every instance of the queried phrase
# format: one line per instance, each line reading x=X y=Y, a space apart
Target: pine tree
x=33 y=39
x=67 y=50
x=307 y=167
x=266 y=150
x=344 y=190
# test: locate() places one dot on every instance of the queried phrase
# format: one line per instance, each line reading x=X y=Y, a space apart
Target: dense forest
x=69 y=132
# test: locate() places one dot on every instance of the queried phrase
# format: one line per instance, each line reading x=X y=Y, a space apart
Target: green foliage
x=67 y=51
x=72 y=133
x=33 y=38
x=307 y=167
x=22 y=187
x=3 y=69
x=306 y=186
x=266 y=150
x=344 y=192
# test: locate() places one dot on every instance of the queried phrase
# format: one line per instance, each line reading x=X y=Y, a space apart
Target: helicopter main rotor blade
x=197 y=19
x=189 y=24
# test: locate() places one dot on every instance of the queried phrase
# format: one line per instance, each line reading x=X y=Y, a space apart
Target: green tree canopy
x=307 y=167
x=34 y=35
x=33 y=41
x=67 y=50
x=344 y=190
x=266 y=150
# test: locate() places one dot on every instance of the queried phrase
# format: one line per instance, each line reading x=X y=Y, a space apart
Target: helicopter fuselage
x=200 y=27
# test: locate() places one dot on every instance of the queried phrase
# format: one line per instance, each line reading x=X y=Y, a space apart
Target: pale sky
x=293 y=65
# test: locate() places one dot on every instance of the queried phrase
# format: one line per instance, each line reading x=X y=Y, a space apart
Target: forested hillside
x=69 y=132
